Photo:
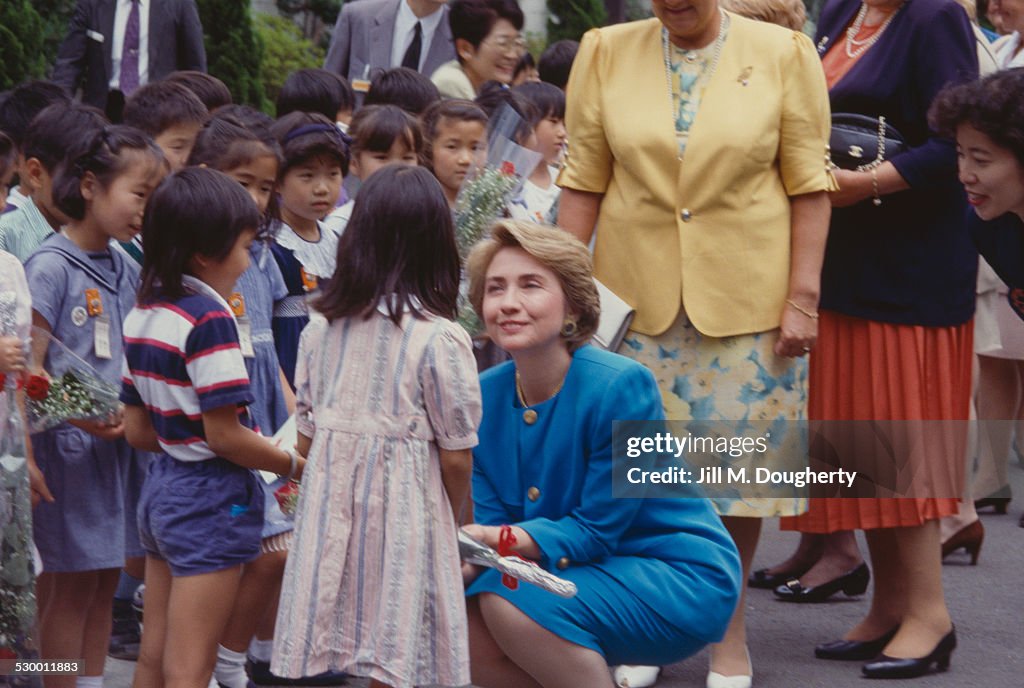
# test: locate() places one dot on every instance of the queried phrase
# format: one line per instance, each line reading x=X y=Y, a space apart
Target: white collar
x=200 y=287
x=382 y=305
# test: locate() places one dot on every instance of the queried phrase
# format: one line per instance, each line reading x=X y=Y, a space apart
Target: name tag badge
x=245 y=337
x=101 y=337
x=309 y=282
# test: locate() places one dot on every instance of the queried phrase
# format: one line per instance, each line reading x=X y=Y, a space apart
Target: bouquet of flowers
x=286 y=491
x=486 y=193
x=70 y=390
x=472 y=551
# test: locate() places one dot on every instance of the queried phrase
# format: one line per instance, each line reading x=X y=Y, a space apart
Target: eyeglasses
x=508 y=44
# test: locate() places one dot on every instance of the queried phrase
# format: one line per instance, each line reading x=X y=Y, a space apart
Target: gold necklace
x=530 y=415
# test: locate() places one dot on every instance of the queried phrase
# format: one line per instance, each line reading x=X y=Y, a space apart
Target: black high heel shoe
x=853 y=582
x=892 y=667
x=769 y=581
x=998 y=504
x=854 y=650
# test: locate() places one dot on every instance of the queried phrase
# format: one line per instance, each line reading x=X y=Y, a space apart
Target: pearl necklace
x=855 y=48
x=692 y=55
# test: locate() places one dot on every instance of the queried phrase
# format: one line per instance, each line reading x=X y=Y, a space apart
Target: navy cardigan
x=909 y=260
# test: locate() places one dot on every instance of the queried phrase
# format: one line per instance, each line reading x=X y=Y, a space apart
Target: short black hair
x=307 y=135
x=315 y=90
x=495 y=96
x=57 y=130
x=556 y=62
x=402 y=253
x=375 y=128
x=525 y=62
x=225 y=142
x=212 y=91
x=547 y=99
x=8 y=155
x=106 y=154
x=473 y=20
x=158 y=106
x=24 y=102
x=404 y=87
x=453 y=109
x=197 y=211
x=254 y=119
x=994 y=105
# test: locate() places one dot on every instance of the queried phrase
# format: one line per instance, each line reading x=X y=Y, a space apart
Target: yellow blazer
x=710 y=231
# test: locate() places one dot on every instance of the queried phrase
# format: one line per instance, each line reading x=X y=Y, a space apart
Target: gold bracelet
x=810 y=314
x=877 y=200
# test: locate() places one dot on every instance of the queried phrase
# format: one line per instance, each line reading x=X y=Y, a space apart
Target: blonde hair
x=790 y=14
x=555 y=249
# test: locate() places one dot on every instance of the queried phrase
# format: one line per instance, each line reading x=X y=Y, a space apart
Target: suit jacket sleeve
x=341 y=40
x=588 y=165
x=943 y=53
x=191 y=50
x=592 y=530
x=71 y=57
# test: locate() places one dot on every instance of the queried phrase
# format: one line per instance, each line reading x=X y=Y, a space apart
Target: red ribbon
x=506 y=541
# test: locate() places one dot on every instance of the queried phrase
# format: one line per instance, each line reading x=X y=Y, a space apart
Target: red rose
x=508 y=168
x=287 y=497
x=37 y=387
x=3 y=380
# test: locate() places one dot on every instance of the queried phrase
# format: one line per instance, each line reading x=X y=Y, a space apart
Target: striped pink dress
x=373 y=584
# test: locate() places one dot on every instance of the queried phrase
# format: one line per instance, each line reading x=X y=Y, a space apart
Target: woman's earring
x=569 y=327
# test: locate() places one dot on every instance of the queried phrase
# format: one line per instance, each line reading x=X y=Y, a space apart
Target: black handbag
x=859 y=142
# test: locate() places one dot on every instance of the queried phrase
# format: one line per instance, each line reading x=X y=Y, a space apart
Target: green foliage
x=285 y=50
x=234 y=53
x=56 y=15
x=20 y=30
x=573 y=18
x=315 y=17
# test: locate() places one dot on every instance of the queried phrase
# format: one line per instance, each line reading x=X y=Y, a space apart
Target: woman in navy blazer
x=897 y=297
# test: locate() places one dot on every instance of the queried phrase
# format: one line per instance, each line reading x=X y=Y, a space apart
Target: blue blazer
x=553 y=478
x=909 y=260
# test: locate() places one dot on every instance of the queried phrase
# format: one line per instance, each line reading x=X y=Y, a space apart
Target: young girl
x=185 y=389
x=250 y=156
x=389 y=402
x=455 y=139
x=309 y=182
x=81 y=292
x=538 y=201
x=381 y=134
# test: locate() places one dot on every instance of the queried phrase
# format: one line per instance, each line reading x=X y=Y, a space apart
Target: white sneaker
x=635 y=676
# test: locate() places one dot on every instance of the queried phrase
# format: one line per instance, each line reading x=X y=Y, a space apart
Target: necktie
x=130 y=52
x=412 y=55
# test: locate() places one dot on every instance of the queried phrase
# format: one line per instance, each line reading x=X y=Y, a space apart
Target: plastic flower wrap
x=70 y=390
x=17 y=575
x=287 y=494
x=488 y=189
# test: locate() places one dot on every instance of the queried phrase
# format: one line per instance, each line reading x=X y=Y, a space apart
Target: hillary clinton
x=657 y=578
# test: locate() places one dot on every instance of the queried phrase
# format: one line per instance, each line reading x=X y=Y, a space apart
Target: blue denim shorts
x=200 y=516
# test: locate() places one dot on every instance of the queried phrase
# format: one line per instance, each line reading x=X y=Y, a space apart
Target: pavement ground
x=986 y=601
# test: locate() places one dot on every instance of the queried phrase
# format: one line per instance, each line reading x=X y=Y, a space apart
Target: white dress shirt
x=405 y=29
x=1005 y=47
x=124 y=7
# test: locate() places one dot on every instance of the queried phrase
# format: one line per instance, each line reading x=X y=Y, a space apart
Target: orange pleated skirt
x=869 y=370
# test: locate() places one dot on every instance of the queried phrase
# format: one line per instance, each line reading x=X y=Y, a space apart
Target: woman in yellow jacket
x=698 y=147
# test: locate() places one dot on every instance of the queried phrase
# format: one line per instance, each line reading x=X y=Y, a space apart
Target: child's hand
x=37 y=485
x=470 y=573
x=12 y=355
x=109 y=430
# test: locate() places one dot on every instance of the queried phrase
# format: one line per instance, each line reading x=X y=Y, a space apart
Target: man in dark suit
x=373 y=35
x=114 y=46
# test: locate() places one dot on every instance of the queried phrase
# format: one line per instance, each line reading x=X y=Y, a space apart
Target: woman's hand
x=491 y=535
x=12 y=355
x=854 y=187
x=798 y=331
x=470 y=573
